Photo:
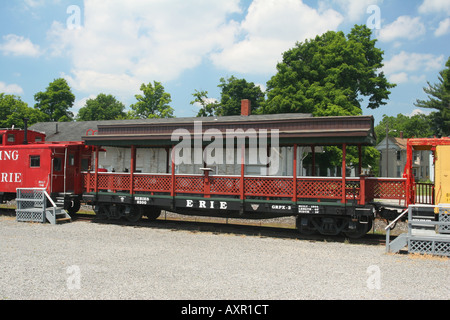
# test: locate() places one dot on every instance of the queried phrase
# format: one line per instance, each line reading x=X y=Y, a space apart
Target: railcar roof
x=300 y=129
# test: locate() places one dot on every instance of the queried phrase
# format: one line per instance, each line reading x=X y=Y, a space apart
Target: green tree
x=13 y=110
x=418 y=126
x=154 y=103
x=329 y=76
x=439 y=99
x=208 y=107
x=103 y=107
x=56 y=101
x=234 y=91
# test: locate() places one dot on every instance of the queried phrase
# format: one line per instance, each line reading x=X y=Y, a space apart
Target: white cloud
x=354 y=10
x=123 y=44
x=270 y=28
x=398 y=78
x=443 y=29
x=19 y=46
x=403 y=77
x=10 y=88
x=410 y=67
x=410 y=62
x=435 y=6
x=418 y=111
x=404 y=27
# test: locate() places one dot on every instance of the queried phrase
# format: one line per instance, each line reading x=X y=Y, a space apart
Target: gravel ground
x=85 y=260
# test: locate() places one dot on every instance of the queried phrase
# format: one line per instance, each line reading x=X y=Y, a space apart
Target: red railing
x=385 y=188
x=362 y=189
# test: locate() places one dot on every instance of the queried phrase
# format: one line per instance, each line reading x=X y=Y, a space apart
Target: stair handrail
x=388 y=228
x=49 y=198
x=396 y=219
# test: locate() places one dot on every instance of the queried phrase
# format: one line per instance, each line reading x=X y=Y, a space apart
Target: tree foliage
x=234 y=91
x=208 y=107
x=154 y=103
x=329 y=75
x=56 y=101
x=13 y=110
x=103 y=107
x=417 y=126
x=439 y=99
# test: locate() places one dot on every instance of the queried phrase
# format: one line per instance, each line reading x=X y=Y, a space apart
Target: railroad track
x=175 y=222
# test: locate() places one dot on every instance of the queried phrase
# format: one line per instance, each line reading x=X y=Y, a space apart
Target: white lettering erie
x=189 y=203
x=11 y=177
x=223 y=205
x=202 y=204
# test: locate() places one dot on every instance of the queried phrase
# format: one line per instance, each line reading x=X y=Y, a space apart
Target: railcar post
x=242 y=171
x=132 y=168
x=172 y=157
x=97 y=149
x=344 y=173
x=294 y=168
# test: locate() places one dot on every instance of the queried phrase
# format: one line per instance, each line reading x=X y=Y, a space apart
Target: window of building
x=399 y=155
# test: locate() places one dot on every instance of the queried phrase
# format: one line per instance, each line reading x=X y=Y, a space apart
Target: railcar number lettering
x=141 y=200
x=281 y=207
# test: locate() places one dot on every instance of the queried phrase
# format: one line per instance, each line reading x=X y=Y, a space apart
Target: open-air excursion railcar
x=233 y=178
x=248 y=167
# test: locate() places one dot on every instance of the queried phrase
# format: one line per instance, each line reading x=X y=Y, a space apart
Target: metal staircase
x=426 y=234
x=32 y=206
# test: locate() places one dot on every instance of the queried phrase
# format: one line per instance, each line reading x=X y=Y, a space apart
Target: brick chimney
x=246 y=106
x=401 y=134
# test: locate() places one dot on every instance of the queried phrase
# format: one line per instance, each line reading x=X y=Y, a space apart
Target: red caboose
x=27 y=161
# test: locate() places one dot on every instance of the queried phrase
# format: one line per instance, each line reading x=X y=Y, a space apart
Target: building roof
x=401 y=142
x=397 y=143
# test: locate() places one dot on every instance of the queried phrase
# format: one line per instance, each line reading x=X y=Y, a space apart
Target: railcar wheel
x=305 y=226
x=360 y=230
x=135 y=214
x=73 y=206
x=152 y=213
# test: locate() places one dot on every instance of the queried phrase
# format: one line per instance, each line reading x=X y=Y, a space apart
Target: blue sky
x=114 y=46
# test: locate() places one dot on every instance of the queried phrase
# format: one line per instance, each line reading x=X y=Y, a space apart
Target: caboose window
x=71 y=159
x=35 y=161
x=11 y=138
x=57 y=164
